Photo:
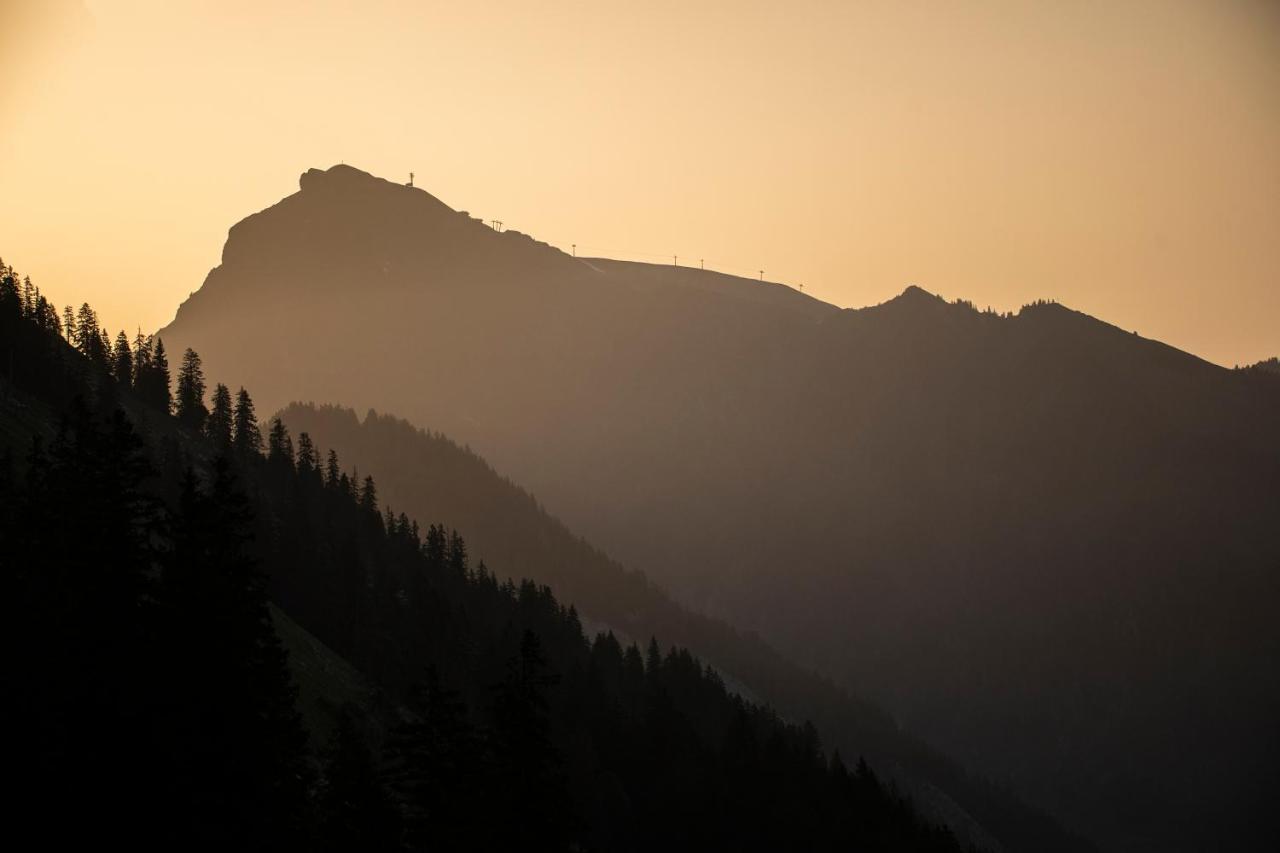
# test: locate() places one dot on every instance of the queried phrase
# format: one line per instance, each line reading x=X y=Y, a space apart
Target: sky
x=1119 y=156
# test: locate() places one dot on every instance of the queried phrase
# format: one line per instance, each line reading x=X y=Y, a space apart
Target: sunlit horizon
x=1118 y=158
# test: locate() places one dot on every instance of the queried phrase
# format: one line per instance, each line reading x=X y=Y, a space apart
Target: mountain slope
x=1047 y=544
x=152 y=689
x=430 y=477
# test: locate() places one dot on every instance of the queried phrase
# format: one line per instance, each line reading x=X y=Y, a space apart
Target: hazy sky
x=1121 y=157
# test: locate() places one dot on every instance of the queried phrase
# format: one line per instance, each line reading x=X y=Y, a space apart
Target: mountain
x=187 y=614
x=1046 y=544
x=432 y=478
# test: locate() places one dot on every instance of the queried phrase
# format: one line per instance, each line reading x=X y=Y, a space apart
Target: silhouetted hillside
x=1049 y=545
x=430 y=477
x=150 y=688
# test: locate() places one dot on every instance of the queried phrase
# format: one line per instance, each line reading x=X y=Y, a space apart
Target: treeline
x=155 y=706
x=142 y=367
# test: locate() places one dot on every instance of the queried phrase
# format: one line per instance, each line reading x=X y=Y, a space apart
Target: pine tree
x=10 y=298
x=332 y=471
x=369 y=495
x=239 y=731
x=28 y=298
x=122 y=357
x=457 y=558
x=141 y=362
x=653 y=658
x=247 y=437
x=434 y=547
x=529 y=785
x=87 y=338
x=220 y=424
x=80 y=558
x=308 y=459
x=50 y=313
x=160 y=378
x=103 y=351
x=69 y=324
x=189 y=398
x=279 y=445
x=434 y=769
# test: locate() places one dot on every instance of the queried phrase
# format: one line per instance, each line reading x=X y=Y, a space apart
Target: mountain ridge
x=431 y=477
x=853 y=484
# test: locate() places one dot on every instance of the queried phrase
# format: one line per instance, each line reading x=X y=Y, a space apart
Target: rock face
x=1049 y=545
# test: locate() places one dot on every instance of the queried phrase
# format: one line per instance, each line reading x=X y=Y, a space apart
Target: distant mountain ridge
x=1046 y=543
x=430 y=477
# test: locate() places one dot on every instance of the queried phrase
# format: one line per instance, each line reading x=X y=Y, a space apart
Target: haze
x=1119 y=157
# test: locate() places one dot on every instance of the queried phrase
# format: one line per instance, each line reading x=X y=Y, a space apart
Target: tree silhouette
x=122 y=361
x=308 y=460
x=220 y=424
x=369 y=495
x=529 y=786
x=279 y=445
x=332 y=471
x=247 y=438
x=158 y=380
x=435 y=767
x=189 y=398
x=238 y=725
x=68 y=324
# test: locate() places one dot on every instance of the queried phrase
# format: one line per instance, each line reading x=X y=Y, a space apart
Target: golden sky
x=1121 y=156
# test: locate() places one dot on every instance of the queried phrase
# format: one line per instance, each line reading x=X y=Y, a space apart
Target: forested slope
x=142 y=549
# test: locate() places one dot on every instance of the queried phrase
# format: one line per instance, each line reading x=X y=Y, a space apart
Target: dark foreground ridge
x=156 y=703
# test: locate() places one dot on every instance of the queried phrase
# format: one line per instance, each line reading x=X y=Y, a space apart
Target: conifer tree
x=28 y=298
x=80 y=558
x=247 y=437
x=434 y=547
x=308 y=459
x=434 y=768
x=653 y=658
x=160 y=378
x=122 y=357
x=49 y=316
x=369 y=495
x=529 y=785
x=10 y=300
x=332 y=471
x=457 y=557
x=141 y=362
x=220 y=424
x=69 y=324
x=87 y=338
x=189 y=399
x=239 y=726
x=103 y=351
x=279 y=445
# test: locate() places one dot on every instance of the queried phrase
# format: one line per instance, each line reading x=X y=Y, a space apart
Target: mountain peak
x=914 y=301
x=344 y=178
x=913 y=298
x=913 y=291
